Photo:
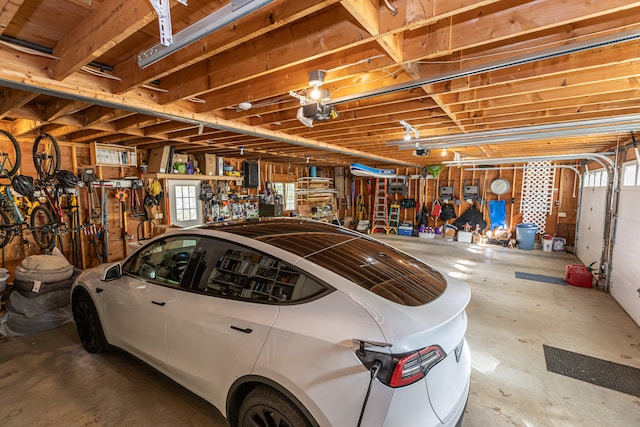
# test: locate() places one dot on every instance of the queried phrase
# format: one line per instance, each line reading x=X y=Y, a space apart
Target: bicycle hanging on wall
x=19 y=208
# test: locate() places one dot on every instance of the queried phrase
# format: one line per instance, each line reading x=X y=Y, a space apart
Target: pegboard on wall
x=537 y=193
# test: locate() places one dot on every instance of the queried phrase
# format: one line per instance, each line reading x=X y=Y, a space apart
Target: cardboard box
x=159 y=159
x=180 y=158
x=207 y=164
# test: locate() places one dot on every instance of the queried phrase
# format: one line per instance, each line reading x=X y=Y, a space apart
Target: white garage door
x=592 y=215
x=625 y=286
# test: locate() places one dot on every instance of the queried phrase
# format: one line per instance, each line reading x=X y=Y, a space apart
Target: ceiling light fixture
x=408 y=129
x=242 y=150
x=316 y=78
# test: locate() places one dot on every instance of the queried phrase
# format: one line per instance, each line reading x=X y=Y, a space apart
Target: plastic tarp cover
x=498 y=213
x=32 y=307
x=16 y=324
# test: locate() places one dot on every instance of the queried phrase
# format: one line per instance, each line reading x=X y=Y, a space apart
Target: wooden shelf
x=113 y=155
x=193 y=177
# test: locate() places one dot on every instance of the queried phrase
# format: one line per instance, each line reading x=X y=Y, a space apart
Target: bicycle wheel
x=43 y=227
x=9 y=154
x=5 y=230
x=46 y=156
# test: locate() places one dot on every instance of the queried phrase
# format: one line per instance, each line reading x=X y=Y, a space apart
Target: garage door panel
x=625 y=262
x=591 y=226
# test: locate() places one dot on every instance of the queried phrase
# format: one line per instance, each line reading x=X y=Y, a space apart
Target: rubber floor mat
x=540 y=278
x=611 y=375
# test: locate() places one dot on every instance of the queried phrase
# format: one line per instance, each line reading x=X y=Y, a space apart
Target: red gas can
x=578 y=275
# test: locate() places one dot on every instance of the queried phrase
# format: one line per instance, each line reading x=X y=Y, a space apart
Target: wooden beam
x=62 y=107
x=300 y=43
x=256 y=25
x=105 y=27
x=8 y=9
x=11 y=99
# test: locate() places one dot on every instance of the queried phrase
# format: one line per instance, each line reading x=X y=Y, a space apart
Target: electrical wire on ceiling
x=28 y=50
x=362 y=61
x=155 y=88
x=265 y=103
x=388 y=74
x=87 y=69
x=196 y=100
x=394 y=11
x=98 y=73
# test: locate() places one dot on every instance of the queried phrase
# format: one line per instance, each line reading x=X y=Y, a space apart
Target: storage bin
x=525 y=235
x=578 y=275
x=558 y=244
x=405 y=230
x=464 y=236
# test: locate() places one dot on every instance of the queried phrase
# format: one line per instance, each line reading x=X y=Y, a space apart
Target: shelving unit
x=316 y=196
x=194 y=177
x=250 y=275
x=113 y=155
x=315 y=190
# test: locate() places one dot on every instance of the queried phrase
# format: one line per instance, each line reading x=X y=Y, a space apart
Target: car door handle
x=245 y=330
x=161 y=304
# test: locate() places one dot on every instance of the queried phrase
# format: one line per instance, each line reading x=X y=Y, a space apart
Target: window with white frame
x=597 y=178
x=185 y=206
x=186 y=202
x=287 y=193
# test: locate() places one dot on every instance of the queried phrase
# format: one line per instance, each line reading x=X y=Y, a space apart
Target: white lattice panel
x=537 y=193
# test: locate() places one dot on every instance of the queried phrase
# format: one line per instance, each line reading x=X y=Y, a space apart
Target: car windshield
x=370 y=264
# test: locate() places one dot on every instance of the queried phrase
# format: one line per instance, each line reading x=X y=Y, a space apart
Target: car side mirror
x=112 y=273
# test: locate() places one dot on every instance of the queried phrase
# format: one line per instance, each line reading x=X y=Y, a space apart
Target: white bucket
x=547 y=245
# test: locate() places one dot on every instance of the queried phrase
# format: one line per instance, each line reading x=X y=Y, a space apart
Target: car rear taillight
x=415 y=366
x=398 y=370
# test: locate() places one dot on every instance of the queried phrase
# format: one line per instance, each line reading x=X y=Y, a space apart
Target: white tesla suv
x=287 y=322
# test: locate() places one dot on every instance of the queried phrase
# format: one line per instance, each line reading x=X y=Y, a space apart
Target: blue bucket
x=526 y=235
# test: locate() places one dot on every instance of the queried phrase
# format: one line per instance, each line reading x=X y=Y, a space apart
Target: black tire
x=5 y=230
x=88 y=323
x=46 y=156
x=10 y=155
x=265 y=407
x=43 y=227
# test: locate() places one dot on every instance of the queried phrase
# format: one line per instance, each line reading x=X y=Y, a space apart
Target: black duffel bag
x=407 y=203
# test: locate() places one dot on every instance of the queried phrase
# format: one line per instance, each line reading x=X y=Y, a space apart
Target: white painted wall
x=625 y=263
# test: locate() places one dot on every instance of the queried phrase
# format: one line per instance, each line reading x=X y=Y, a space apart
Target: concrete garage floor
x=47 y=379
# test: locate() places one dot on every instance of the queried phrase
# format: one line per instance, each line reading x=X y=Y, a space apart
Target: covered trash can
x=525 y=235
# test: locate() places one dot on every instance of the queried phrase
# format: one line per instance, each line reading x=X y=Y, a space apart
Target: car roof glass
x=369 y=263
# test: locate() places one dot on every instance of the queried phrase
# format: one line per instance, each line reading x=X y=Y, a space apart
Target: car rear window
x=373 y=265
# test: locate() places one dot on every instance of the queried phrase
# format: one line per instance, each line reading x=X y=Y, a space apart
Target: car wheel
x=265 y=407
x=88 y=324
